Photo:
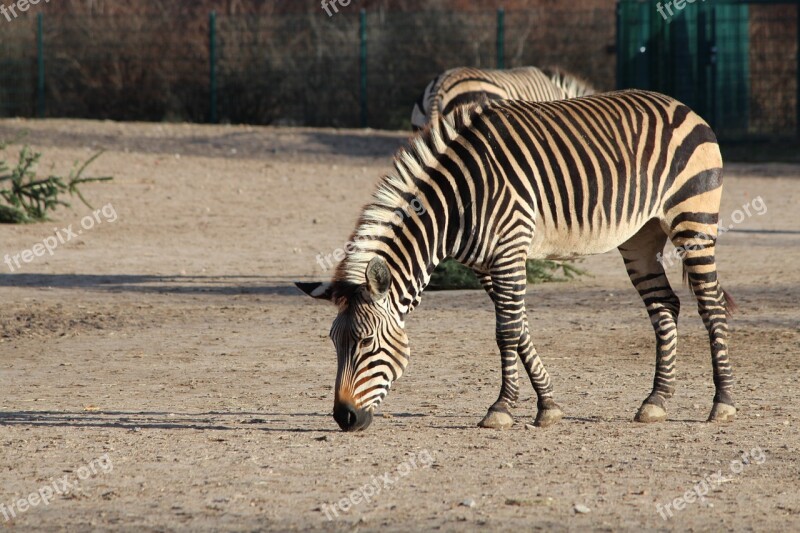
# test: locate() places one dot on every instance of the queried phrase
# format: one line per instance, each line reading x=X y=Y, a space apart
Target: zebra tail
x=730 y=304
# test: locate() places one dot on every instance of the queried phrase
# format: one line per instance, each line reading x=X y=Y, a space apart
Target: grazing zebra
x=465 y=85
x=510 y=180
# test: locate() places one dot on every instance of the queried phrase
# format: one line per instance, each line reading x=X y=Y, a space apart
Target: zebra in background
x=515 y=179
x=572 y=85
x=466 y=85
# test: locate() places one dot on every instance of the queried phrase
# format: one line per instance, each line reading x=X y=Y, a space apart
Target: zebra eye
x=366 y=342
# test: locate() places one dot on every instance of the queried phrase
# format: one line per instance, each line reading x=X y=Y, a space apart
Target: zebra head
x=421 y=114
x=370 y=340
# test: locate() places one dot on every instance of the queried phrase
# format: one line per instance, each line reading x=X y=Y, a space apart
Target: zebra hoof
x=722 y=412
x=496 y=419
x=649 y=412
x=548 y=417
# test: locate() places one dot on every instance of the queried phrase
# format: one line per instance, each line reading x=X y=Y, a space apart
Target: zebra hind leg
x=700 y=267
x=642 y=261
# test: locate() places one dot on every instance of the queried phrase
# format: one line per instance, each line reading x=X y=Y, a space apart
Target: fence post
x=212 y=65
x=501 y=38
x=622 y=51
x=40 y=103
x=362 y=93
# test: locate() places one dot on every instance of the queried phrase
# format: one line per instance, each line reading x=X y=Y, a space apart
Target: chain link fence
x=366 y=69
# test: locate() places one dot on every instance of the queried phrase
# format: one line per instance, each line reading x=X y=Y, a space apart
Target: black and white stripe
x=512 y=180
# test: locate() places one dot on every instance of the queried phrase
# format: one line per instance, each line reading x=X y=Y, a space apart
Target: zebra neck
x=410 y=267
x=416 y=217
x=406 y=291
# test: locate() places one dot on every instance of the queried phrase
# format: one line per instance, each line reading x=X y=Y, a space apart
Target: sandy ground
x=163 y=373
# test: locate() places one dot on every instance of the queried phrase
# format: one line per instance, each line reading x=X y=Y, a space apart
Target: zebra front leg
x=548 y=411
x=506 y=287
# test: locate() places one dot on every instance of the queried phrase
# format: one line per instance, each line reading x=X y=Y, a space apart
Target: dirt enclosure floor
x=159 y=371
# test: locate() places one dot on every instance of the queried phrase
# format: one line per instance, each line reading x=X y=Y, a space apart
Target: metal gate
x=735 y=62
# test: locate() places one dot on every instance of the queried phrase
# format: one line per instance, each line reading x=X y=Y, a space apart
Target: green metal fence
x=18 y=69
x=735 y=62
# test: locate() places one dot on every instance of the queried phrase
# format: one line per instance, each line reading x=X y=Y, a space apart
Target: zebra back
x=466 y=85
x=572 y=85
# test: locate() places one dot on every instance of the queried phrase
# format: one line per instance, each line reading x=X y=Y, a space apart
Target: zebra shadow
x=136 y=421
x=214 y=285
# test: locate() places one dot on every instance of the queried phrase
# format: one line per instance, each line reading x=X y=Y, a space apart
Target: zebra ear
x=317 y=289
x=378 y=278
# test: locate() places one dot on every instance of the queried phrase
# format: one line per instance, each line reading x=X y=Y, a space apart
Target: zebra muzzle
x=349 y=418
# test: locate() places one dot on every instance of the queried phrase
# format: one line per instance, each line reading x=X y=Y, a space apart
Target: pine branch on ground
x=26 y=197
x=450 y=274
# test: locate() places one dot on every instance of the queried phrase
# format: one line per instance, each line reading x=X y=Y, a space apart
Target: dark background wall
x=288 y=62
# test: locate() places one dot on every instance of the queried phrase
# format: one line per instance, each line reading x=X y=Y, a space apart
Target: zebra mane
x=572 y=85
x=394 y=194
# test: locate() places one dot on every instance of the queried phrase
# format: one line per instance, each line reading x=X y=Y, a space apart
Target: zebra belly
x=554 y=243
